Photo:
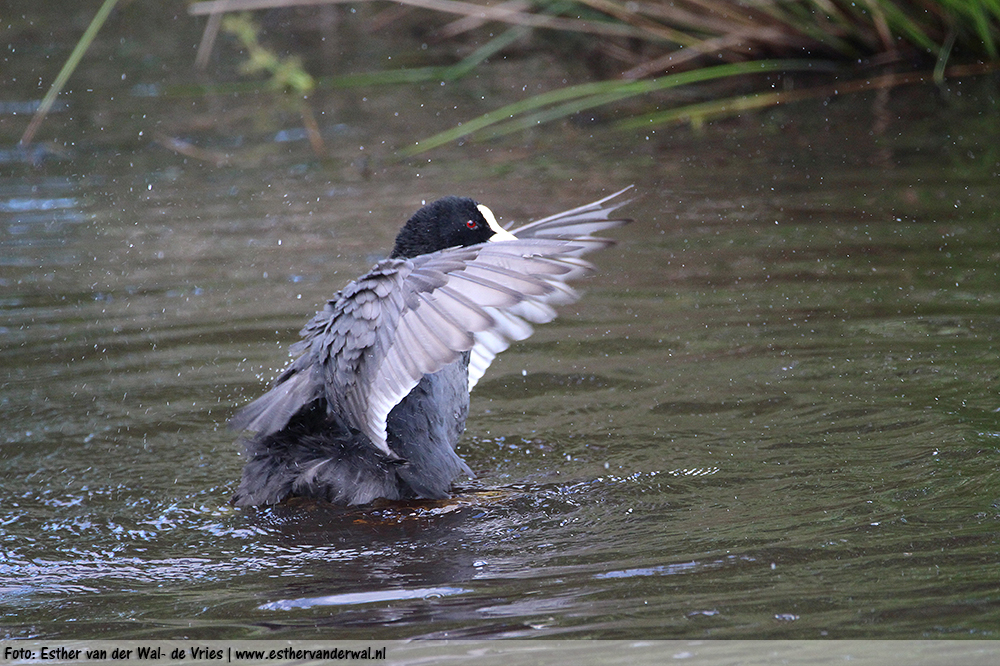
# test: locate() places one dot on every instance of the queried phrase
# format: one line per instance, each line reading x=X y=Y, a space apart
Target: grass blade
x=67 y=69
x=589 y=95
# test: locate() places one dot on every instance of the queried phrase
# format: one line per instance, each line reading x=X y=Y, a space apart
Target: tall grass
x=656 y=45
x=663 y=45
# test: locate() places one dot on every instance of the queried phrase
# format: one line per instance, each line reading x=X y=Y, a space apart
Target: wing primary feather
x=521 y=284
x=487 y=292
x=587 y=218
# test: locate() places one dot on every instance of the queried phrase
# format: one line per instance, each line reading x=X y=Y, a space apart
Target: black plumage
x=377 y=398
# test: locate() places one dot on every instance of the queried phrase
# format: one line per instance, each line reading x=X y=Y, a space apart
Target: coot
x=378 y=395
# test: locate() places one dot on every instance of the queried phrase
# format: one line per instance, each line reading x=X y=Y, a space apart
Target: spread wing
x=578 y=223
x=574 y=225
x=372 y=343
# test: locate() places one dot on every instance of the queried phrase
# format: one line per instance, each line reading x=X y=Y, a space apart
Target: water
x=773 y=414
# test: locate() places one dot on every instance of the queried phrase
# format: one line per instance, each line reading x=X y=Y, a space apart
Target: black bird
x=377 y=398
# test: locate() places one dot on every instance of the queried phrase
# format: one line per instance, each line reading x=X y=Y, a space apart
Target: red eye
x=472 y=224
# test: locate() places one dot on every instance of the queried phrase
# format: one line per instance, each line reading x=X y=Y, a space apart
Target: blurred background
x=774 y=413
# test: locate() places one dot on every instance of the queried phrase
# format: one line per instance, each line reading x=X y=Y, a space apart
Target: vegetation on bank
x=652 y=45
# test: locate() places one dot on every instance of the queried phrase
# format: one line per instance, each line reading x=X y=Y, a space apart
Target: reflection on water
x=379 y=596
x=773 y=414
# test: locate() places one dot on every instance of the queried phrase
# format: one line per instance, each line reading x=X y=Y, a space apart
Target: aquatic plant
x=684 y=42
x=67 y=69
x=657 y=46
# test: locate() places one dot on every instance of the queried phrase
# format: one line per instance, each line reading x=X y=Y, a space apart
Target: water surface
x=773 y=414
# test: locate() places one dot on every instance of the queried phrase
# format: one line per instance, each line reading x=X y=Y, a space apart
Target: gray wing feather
x=272 y=411
x=573 y=225
x=374 y=341
x=576 y=222
x=442 y=323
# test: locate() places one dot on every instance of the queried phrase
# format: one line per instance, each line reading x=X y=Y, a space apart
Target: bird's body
x=377 y=398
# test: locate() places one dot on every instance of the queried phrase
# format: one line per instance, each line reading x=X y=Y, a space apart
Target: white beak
x=499 y=233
